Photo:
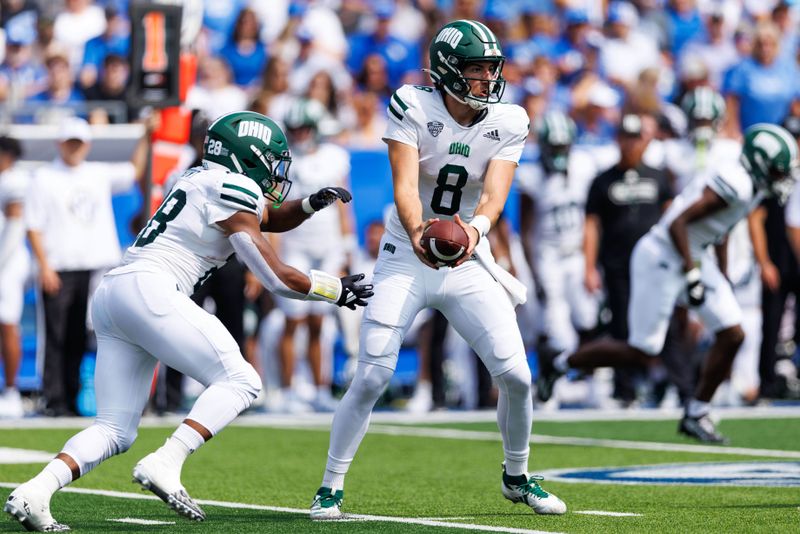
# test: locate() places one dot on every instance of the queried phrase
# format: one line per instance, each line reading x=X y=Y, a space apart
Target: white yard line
x=136 y=521
x=479 y=435
x=609 y=514
x=453 y=416
x=304 y=511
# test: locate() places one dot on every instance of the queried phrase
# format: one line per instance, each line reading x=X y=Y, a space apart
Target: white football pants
x=141 y=318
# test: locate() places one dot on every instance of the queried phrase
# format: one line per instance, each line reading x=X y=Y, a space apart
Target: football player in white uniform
x=142 y=312
x=322 y=243
x=673 y=263
x=453 y=149
x=552 y=214
x=692 y=158
x=14 y=270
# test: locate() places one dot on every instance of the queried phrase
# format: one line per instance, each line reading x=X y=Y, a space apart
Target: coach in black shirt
x=623 y=203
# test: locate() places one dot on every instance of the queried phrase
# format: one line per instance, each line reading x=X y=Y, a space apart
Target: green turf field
x=447 y=474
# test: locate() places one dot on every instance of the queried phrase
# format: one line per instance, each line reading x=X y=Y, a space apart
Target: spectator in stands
x=219 y=18
x=683 y=24
x=273 y=98
x=713 y=48
x=375 y=78
x=370 y=124
x=215 y=94
x=322 y=89
x=20 y=76
x=311 y=60
x=79 y=22
x=760 y=88
x=571 y=51
x=626 y=51
x=400 y=56
x=14 y=269
x=110 y=87
x=114 y=40
x=60 y=89
x=72 y=232
x=244 y=51
x=12 y=8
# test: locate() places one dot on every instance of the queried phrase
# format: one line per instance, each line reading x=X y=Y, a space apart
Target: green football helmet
x=251 y=144
x=770 y=156
x=302 y=114
x=704 y=108
x=555 y=133
x=455 y=46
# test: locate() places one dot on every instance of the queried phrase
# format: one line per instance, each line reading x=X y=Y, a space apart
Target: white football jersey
x=560 y=201
x=736 y=188
x=452 y=158
x=685 y=160
x=329 y=165
x=182 y=237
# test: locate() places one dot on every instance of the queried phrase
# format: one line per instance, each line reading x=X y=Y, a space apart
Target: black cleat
x=702 y=429
x=548 y=374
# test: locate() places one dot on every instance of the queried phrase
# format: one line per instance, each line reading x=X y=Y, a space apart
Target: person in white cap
x=72 y=232
x=626 y=51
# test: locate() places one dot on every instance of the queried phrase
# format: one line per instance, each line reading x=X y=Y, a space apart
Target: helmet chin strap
x=477 y=105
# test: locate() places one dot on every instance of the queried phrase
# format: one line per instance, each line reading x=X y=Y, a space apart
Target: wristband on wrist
x=324 y=286
x=482 y=224
x=307 y=206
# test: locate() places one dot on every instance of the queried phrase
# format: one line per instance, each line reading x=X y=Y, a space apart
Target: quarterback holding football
x=453 y=150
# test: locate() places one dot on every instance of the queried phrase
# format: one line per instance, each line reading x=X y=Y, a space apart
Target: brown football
x=445 y=242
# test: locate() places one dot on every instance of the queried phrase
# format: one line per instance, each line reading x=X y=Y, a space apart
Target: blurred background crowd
x=338 y=62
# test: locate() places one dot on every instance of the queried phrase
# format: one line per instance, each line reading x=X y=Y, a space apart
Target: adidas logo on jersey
x=494 y=135
x=255 y=129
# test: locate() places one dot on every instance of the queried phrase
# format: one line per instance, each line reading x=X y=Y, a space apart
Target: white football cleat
x=11 y=404
x=163 y=478
x=526 y=489
x=327 y=505
x=31 y=507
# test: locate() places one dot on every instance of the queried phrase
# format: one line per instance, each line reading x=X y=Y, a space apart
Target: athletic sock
x=54 y=476
x=183 y=442
x=332 y=480
x=697 y=408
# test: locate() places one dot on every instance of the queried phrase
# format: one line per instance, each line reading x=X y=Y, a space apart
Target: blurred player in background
x=673 y=263
x=553 y=208
x=453 y=149
x=143 y=314
x=325 y=242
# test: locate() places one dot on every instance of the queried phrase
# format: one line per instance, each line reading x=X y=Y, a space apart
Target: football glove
x=327 y=196
x=353 y=293
x=695 y=290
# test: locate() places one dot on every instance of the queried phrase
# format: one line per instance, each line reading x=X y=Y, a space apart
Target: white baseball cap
x=75 y=128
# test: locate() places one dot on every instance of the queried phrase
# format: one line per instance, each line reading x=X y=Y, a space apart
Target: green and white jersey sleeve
x=182 y=238
x=404 y=115
x=233 y=193
x=516 y=125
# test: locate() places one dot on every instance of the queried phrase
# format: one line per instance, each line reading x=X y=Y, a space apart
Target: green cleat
x=327 y=505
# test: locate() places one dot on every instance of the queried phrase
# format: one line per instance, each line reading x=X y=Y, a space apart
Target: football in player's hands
x=445 y=242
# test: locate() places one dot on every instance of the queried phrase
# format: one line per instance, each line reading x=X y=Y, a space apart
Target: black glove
x=354 y=294
x=327 y=196
x=695 y=290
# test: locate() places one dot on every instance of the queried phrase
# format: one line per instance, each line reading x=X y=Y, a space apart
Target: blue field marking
x=755 y=474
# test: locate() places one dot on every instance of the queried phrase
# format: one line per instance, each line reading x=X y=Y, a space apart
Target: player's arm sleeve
x=402 y=124
x=724 y=188
x=247 y=251
x=233 y=193
x=518 y=127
